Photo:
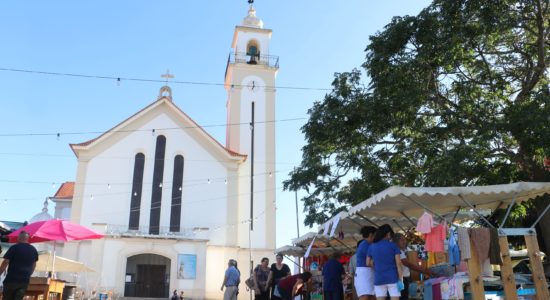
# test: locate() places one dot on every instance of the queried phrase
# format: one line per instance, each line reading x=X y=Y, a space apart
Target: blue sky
x=142 y=39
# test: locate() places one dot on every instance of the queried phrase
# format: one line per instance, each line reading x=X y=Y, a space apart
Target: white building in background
x=173 y=202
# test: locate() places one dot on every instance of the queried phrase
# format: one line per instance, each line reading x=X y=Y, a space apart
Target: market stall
x=401 y=208
x=412 y=203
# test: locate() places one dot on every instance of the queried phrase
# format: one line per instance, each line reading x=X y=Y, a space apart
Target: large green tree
x=457 y=95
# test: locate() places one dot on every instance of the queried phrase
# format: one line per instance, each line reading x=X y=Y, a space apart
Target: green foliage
x=457 y=95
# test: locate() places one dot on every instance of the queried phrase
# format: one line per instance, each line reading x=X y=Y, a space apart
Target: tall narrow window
x=177 y=192
x=135 y=198
x=156 y=190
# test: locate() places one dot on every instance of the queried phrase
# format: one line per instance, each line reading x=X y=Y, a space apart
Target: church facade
x=173 y=202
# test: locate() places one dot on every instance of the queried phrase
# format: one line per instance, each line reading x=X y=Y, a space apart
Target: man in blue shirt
x=364 y=276
x=231 y=281
x=20 y=260
x=333 y=273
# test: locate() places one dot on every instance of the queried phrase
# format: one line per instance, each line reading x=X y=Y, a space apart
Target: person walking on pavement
x=20 y=262
x=231 y=281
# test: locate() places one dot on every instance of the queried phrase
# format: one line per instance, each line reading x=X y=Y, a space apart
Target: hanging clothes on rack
x=494 y=248
x=481 y=242
x=454 y=252
x=431 y=259
x=463 y=242
x=435 y=240
x=425 y=223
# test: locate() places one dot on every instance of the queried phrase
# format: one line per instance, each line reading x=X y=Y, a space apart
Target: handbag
x=250 y=282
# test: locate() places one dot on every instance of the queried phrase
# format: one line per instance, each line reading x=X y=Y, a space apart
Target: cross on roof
x=167 y=76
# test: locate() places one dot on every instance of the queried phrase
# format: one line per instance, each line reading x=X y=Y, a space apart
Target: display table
x=46 y=287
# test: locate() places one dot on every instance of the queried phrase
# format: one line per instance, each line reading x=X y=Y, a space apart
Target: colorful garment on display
x=454 y=252
x=431 y=259
x=452 y=288
x=436 y=291
x=436 y=238
x=425 y=223
x=428 y=292
x=494 y=248
x=464 y=242
x=432 y=288
x=445 y=290
x=481 y=241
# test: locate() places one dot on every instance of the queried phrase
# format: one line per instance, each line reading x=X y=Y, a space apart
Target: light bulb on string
x=160 y=185
x=108 y=186
x=53 y=185
x=270 y=174
x=135 y=193
x=91 y=197
x=153 y=132
x=118 y=81
x=5 y=201
x=58 y=136
x=208 y=180
x=225 y=181
x=179 y=188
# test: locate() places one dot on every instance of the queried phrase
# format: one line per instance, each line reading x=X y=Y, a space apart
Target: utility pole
x=297 y=219
x=252 y=170
x=297 y=226
x=251 y=193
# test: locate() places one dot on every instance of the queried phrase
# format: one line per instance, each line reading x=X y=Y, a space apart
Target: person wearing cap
x=20 y=261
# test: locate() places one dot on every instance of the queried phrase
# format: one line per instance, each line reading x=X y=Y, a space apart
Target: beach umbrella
x=55 y=230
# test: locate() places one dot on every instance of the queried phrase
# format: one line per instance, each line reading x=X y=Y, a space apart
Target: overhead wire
x=153 y=130
x=118 y=79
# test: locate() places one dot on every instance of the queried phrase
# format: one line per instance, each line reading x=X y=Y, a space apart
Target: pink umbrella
x=55 y=230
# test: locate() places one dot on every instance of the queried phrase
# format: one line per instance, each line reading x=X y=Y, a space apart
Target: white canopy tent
x=407 y=202
x=46 y=259
x=400 y=207
x=397 y=202
x=45 y=263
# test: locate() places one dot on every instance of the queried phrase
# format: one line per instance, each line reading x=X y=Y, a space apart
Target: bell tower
x=250 y=84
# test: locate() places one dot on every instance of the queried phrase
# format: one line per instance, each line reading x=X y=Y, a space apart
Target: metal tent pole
x=508 y=211
x=475 y=211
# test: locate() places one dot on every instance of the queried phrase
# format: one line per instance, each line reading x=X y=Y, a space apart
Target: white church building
x=177 y=205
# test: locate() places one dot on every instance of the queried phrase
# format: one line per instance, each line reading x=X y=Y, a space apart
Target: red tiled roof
x=65 y=191
x=229 y=151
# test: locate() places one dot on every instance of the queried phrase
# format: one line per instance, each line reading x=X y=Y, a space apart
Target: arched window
x=156 y=189
x=177 y=192
x=135 y=198
x=252 y=52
